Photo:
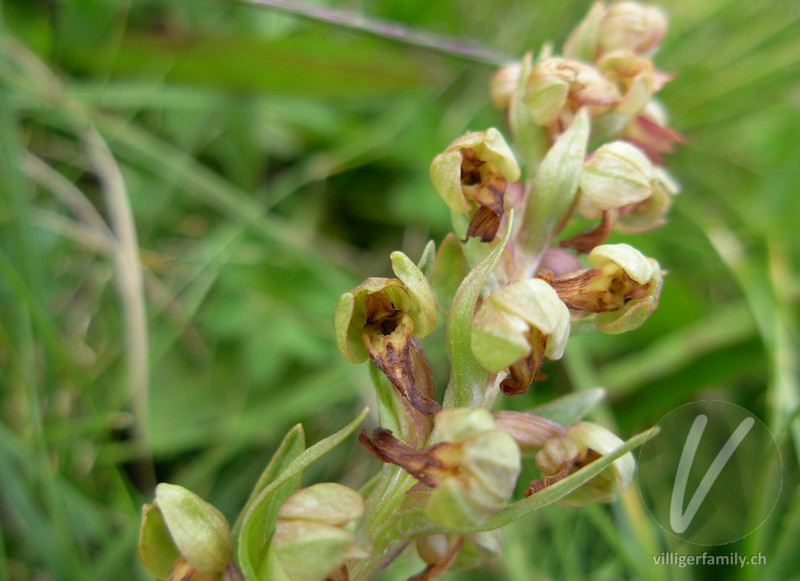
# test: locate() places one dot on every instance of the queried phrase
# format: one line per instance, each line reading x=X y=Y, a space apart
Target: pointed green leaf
x=256 y=528
x=468 y=377
x=259 y=520
x=553 y=189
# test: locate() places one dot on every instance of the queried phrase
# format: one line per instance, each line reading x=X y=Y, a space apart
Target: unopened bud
x=631 y=26
x=558 y=86
x=200 y=532
x=327 y=502
x=582 y=42
x=309 y=541
x=615 y=175
x=558 y=453
x=504 y=85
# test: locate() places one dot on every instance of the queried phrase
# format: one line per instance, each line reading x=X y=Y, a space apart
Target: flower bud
x=631 y=26
x=327 y=502
x=558 y=87
x=440 y=551
x=517 y=327
x=635 y=78
x=615 y=175
x=309 y=542
x=504 y=85
x=623 y=289
x=200 y=533
x=473 y=172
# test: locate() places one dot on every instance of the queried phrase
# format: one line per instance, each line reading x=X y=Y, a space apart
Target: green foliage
x=268 y=162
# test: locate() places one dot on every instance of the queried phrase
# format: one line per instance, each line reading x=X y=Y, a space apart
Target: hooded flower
x=581 y=444
x=516 y=328
x=623 y=289
x=381 y=319
x=312 y=539
x=473 y=173
x=472 y=471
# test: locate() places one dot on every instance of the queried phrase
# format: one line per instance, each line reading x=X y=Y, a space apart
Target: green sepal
x=156 y=547
x=445 y=174
x=427 y=259
x=308 y=551
x=200 y=531
x=421 y=307
x=451 y=506
x=468 y=377
x=553 y=190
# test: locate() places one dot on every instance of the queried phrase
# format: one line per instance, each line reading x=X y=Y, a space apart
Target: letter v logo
x=679 y=520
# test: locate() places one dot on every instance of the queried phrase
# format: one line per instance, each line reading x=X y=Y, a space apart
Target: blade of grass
x=130 y=288
x=384 y=29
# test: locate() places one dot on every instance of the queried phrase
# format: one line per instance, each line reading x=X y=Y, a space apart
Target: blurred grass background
x=257 y=163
